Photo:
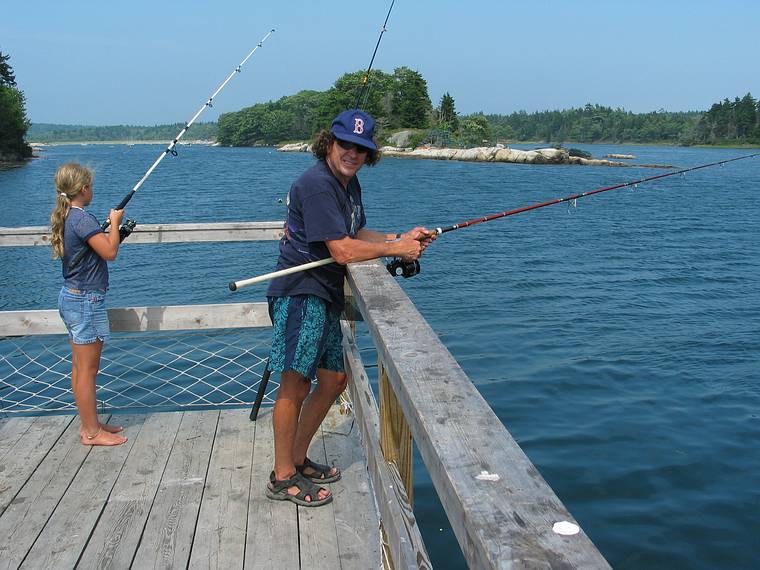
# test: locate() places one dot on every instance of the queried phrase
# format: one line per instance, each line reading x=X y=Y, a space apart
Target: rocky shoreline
x=489 y=154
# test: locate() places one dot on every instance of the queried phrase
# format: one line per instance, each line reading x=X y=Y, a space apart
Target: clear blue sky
x=147 y=62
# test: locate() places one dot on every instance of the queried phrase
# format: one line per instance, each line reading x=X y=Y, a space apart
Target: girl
x=81 y=301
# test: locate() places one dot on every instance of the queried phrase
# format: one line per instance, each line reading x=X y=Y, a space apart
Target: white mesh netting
x=160 y=371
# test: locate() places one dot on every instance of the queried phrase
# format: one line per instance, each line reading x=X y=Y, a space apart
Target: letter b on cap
x=358 y=125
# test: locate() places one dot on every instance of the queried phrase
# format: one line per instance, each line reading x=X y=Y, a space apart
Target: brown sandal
x=321 y=472
x=277 y=490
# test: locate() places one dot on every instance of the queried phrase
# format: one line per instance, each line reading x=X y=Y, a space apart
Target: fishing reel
x=126 y=229
x=398 y=267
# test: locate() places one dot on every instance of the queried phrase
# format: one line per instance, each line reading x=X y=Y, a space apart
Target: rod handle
x=235 y=285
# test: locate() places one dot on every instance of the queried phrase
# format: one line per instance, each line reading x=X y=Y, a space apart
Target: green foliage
x=7 y=79
x=578 y=152
x=447 y=114
x=13 y=121
x=46 y=132
x=475 y=130
x=417 y=138
x=411 y=104
x=728 y=122
x=396 y=101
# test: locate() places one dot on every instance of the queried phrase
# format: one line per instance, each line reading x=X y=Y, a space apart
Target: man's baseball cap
x=355 y=126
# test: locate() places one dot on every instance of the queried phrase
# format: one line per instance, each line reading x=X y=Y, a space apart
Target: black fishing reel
x=126 y=229
x=398 y=267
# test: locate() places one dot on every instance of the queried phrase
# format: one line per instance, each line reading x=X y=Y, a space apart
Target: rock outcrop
x=488 y=154
x=497 y=154
x=620 y=156
x=295 y=147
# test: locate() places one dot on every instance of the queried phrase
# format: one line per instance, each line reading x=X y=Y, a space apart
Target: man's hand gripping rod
x=407 y=268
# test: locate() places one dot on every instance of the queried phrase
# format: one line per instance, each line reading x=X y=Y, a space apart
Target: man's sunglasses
x=345 y=145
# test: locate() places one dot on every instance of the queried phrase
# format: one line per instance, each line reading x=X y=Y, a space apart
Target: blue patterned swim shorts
x=305 y=336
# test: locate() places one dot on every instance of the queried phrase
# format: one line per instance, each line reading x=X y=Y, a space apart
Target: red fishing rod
x=398 y=267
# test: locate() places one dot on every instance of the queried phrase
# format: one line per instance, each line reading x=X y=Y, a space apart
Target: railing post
x=395 y=435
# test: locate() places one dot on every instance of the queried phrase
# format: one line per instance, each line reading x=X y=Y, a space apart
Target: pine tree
x=447 y=115
x=13 y=121
x=411 y=103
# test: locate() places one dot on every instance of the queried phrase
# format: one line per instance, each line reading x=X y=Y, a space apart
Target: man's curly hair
x=321 y=147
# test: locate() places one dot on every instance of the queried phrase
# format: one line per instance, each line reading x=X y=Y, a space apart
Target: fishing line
x=575 y=197
x=364 y=88
x=398 y=267
x=129 y=225
x=361 y=99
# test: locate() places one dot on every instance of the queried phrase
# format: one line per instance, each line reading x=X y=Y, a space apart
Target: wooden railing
x=161 y=233
x=501 y=510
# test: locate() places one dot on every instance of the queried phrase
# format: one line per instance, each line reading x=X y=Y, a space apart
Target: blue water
x=618 y=341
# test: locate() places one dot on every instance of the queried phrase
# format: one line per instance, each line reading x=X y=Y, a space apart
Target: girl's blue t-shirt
x=91 y=273
x=319 y=209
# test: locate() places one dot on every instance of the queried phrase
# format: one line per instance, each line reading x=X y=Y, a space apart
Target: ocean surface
x=617 y=340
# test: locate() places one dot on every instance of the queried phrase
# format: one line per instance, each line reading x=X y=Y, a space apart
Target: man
x=325 y=219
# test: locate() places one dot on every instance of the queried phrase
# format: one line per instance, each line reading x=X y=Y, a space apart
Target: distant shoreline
x=40 y=144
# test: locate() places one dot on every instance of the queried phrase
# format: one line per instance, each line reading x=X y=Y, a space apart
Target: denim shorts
x=84 y=313
x=306 y=335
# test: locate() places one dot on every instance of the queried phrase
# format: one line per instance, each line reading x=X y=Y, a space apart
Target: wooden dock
x=186 y=491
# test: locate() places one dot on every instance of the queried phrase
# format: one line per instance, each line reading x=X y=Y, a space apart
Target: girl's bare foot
x=111 y=429
x=102 y=437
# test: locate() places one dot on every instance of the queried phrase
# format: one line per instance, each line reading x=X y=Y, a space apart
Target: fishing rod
x=398 y=267
x=365 y=86
x=410 y=268
x=363 y=91
x=129 y=225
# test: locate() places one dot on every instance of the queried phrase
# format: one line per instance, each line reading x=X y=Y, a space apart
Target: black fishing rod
x=129 y=225
x=363 y=92
x=365 y=86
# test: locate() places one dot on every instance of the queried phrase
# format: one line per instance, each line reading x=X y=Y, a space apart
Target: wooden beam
x=501 y=510
x=134 y=319
x=395 y=436
x=160 y=233
x=407 y=549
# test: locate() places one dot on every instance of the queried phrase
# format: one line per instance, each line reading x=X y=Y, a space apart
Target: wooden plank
x=161 y=233
x=133 y=319
x=395 y=435
x=497 y=522
x=167 y=538
x=66 y=533
x=220 y=533
x=272 y=540
x=30 y=509
x=190 y=317
x=316 y=525
x=356 y=520
x=11 y=430
x=27 y=453
x=117 y=534
x=406 y=547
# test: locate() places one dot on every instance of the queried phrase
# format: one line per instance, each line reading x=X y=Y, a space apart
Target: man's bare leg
x=290 y=398
x=330 y=384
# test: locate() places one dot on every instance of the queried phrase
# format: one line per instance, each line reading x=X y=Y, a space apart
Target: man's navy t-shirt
x=91 y=273
x=319 y=209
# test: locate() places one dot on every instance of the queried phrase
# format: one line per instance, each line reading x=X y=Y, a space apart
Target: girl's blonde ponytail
x=69 y=181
